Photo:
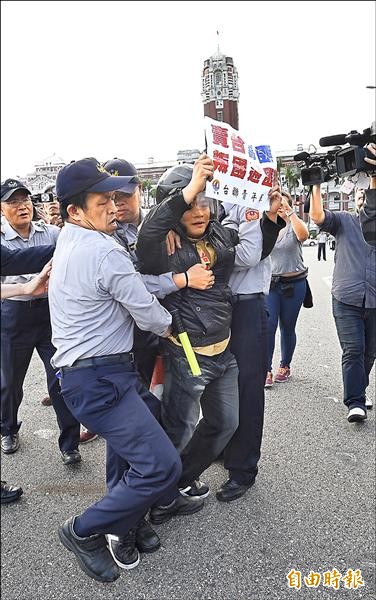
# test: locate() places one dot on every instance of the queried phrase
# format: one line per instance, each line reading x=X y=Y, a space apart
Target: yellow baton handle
x=191 y=357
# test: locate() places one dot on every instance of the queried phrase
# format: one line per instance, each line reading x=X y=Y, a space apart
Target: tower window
x=219 y=115
x=218 y=78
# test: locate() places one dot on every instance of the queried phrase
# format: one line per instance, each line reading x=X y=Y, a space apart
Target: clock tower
x=220 y=91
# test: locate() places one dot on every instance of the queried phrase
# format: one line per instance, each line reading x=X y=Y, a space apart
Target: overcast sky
x=123 y=79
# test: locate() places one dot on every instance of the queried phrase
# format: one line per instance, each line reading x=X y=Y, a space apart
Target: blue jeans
x=356 y=329
x=216 y=391
x=284 y=307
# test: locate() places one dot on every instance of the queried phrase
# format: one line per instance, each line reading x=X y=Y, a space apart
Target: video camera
x=340 y=162
x=319 y=167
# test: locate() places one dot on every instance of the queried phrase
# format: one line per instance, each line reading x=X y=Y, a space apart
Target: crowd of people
x=190 y=282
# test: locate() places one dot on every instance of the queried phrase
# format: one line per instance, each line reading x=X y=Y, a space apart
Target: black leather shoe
x=91 y=553
x=147 y=539
x=71 y=457
x=180 y=506
x=10 y=443
x=9 y=493
x=231 y=490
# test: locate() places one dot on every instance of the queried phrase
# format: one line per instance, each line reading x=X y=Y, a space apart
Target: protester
x=353 y=301
x=206 y=317
x=95 y=297
x=25 y=323
x=287 y=290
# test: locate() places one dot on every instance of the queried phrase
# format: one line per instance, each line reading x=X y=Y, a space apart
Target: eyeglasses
x=17 y=201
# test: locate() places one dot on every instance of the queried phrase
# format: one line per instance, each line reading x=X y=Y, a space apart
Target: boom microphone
x=333 y=140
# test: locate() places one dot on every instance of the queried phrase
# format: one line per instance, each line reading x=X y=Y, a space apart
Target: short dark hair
x=287 y=195
x=79 y=200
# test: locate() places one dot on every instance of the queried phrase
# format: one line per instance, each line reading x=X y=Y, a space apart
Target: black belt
x=38 y=302
x=242 y=297
x=281 y=279
x=96 y=361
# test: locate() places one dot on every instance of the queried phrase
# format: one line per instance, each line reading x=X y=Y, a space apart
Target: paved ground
x=312 y=508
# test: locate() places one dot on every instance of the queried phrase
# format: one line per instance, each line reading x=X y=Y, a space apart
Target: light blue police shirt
x=250 y=274
x=95 y=296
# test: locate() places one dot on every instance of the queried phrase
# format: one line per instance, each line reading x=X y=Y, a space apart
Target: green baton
x=185 y=342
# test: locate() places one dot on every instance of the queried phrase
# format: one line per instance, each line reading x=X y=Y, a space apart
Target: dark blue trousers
x=249 y=345
x=106 y=400
x=356 y=329
x=25 y=326
x=115 y=463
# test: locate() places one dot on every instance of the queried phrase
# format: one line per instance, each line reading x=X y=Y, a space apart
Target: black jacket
x=206 y=314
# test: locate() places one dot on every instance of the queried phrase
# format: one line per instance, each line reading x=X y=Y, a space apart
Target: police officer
x=95 y=297
x=129 y=216
x=15 y=262
x=249 y=282
x=25 y=326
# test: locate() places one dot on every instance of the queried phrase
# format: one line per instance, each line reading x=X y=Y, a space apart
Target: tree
x=292 y=179
x=146 y=186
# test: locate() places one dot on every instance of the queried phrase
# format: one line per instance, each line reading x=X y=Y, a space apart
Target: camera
x=42 y=198
x=339 y=162
x=318 y=167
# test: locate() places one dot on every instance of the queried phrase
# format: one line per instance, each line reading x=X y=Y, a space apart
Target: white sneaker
x=369 y=403
x=356 y=414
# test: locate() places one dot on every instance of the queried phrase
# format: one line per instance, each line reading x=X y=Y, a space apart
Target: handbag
x=308 y=300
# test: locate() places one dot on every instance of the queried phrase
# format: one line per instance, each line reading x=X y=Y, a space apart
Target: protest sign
x=243 y=172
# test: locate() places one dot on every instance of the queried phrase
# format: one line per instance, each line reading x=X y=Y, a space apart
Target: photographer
x=353 y=301
x=46 y=207
x=367 y=213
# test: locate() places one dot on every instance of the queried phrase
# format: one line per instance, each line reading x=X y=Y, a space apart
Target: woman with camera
x=287 y=290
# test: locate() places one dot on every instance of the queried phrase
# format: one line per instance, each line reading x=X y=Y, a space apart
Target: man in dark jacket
x=206 y=316
x=29 y=260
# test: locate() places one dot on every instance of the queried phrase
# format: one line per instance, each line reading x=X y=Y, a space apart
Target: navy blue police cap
x=89 y=175
x=9 y=186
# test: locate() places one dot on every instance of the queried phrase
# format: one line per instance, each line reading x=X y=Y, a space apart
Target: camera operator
x=353 y=301
x=367 y=213
x=47 y=206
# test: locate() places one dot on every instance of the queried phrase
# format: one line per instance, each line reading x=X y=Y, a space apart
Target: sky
x=123 y=79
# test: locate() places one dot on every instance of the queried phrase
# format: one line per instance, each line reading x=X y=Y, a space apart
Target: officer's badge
x=101 y=168
x=251 y=214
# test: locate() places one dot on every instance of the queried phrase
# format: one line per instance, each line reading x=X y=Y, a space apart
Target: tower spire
x=218 y=51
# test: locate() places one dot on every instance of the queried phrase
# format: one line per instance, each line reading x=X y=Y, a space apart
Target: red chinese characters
x=254 y=175
x=268 y=180
x=239 y=167
x=220 y=136
x=238 y=144
x=220 y=160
